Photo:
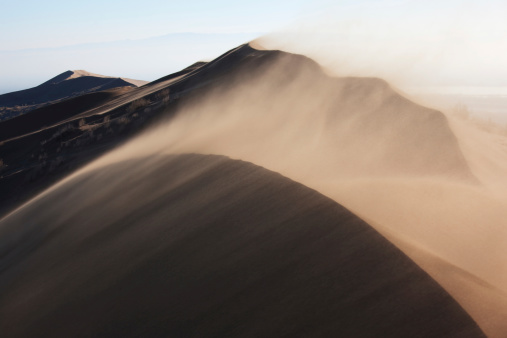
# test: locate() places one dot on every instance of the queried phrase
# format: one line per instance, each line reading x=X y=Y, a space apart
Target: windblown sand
x=431 y=186
x=408 y=171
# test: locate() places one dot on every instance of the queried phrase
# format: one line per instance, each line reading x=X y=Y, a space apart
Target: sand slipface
x=201 y=246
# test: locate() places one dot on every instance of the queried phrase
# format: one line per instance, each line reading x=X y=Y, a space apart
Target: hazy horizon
x=452 y=43
x=167 y=53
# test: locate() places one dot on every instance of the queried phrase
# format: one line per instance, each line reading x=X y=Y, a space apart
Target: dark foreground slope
x=203 y=246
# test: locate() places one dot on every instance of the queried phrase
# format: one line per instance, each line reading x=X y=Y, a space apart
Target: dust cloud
x=432 y=185
x=408 y=43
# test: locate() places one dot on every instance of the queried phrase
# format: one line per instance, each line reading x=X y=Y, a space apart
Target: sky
x=409 y=42
x=52 y=23
x=41 y=39
x=418 y=42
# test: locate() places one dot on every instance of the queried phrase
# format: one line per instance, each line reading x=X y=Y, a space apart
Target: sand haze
x=426 y=182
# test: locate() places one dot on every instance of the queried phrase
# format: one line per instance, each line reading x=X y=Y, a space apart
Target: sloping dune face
x=394 y=163
x=46 y=116
x=200 y=246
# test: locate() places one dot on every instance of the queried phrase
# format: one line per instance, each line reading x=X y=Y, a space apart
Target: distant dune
x=66 y=85
x=202 y=246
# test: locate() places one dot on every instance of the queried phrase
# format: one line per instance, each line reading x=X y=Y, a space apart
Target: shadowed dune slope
x=37 y=119
x=203 y=246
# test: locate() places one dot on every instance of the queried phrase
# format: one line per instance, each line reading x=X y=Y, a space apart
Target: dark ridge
x=57 y=79
x=55 y=113
x=184 y=71
x=196 y=65
x=203 y=246
x=243 y=64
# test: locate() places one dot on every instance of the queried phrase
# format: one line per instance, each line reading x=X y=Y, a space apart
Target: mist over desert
x=338 y=177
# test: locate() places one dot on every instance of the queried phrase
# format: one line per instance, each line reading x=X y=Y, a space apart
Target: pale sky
x=41 y=39
x=448 y=42
x=408 y=42
x=50 y=23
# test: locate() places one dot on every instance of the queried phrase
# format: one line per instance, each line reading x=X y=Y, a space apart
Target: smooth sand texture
x=201 y=246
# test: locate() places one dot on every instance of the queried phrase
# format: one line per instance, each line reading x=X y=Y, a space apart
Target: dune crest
x=74 y=74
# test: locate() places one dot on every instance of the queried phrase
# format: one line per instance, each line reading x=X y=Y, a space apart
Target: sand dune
x=74 y=74
x=66 y=85
x=392 y=162
x=430 y=185
x=54 y=114
x=51 y=142
x=201 y=246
